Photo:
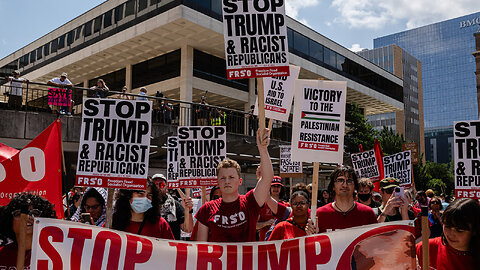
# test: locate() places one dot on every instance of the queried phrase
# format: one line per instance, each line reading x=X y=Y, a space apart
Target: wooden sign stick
x=425 y=237
x=108 y=218
x=204 y=194
x=314 y=193
x=261 y=104
x=21 y=242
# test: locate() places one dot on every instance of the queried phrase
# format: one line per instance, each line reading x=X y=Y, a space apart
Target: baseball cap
x=277 y=180
x=159 y=176
x=64 y=74
x=16 y=72
x=389 y=182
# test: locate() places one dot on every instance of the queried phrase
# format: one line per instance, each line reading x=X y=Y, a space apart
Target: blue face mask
x=141 y=205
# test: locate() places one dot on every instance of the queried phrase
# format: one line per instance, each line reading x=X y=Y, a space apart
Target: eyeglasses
x=343 y=181
x=93 y=207
x=299 y=203
x=33 y=213
x=389 y=190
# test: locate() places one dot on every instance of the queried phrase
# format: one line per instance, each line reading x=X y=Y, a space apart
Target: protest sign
x=289 y=168
x=413 y=147
x=35 y=169
x=278 y=95
x=197 y=192
x=399 y=166
x=61 y=244
x=200 y=149
x=467 y=159
x=114 y=143
x=172 y=162
x=319 y=121
x=255 y=34
x=59 y=96
x=366 y=165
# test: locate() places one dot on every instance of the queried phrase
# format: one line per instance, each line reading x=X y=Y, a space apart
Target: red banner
x=379 y=156
x=35 y=169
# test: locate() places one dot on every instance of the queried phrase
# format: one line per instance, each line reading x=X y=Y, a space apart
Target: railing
x=35 y=97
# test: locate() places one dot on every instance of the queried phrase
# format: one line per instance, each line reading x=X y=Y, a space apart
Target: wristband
x=191 y=211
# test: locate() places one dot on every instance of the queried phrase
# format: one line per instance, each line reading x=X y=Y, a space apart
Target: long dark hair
x=22 y=202
x=123 y=211
x=464 y=214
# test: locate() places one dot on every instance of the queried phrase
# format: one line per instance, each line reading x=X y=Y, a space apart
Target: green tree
x=420 y=175
x=437 y=185
x=390 y=141
x=358 y=130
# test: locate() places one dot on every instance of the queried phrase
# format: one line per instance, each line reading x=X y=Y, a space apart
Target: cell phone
x=399 y=192
x=86 y=218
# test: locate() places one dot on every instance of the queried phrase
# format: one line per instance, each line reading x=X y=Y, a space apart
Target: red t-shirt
x=444 y=257
x=230 y=222
x=159 y=229
x=286 y=230
x=329 y=219
x=8 y=257
x=267 y=214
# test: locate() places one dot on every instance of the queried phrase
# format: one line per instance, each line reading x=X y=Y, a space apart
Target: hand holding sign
x=263 y=138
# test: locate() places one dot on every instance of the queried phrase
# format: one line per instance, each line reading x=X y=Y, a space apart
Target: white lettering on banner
x=319 y=121
x=255 y=35
x=32 y=165
x=56 y=240
x=399 y=166
x=467 y=158
x=114 y=143
x=365 y=164
x=200 y=149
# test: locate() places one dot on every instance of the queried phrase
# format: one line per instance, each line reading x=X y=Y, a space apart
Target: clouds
x=378 y=14
x=356 y=48
x=292 y=7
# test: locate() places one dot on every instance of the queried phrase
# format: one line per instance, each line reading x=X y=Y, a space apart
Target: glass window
x=87 y=29
x=340 y=61
x=70 y=37
x=78 y=32
x=39 y=53
x=114 y=80
x=119 y=13
x=300 y=43
x=142 y=4
x=129 y=8
x=290 y=38
x=107 y=19
x=154 y=2
x=157 y=69
x=330 y=57
x=46 y=49
x=61 y=42
x=54 y=46
x=316 y=51
x=97 y=24
x=33 y=55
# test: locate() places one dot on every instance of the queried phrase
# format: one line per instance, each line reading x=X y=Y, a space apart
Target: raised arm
x=262 y=190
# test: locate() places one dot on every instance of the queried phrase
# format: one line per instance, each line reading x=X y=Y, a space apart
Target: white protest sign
x=467 y=159
x=114 y=143
x=319 y=121
x=289 y=168
x=278 y=95
x=255 y=33
x=366 y=165
x=399 y=166
x=200 y=149
x=172 y=162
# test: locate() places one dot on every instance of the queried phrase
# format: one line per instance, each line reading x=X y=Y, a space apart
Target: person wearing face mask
x=365 y=193
x=137 y=211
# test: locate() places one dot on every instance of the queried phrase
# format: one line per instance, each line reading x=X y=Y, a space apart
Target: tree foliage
x=390 y=141
x=359 y=131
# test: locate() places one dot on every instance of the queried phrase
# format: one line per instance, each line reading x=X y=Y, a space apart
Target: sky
x=351 y=23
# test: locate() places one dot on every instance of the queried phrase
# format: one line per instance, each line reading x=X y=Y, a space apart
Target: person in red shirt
x=137 y=211
x=233 y=217
x=459 y=245
x=344 y=212
x=274 y=209
x=299 y=224
x=33 y=206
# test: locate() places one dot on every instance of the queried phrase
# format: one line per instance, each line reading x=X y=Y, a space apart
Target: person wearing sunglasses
x=299 y=224
x=435 y=217
x=344 y=212
x=24 y=203
x=172 y=210
x=94 y=202
x=137 y=211
x=459 y=245
x=393 y=207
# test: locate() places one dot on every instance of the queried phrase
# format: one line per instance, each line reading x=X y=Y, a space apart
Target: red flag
x=379 y=156
x=35 y=169
x=6 y=152
x=360 y=148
